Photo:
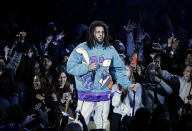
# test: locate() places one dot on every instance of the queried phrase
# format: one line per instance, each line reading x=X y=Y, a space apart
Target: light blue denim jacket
x=109 y=63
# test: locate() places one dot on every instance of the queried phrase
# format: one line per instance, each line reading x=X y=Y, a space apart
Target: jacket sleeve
x=165 y=88
x=118 y=70
x=166 y=75
x=116 y=100
x=75 y=66
x=15 y=61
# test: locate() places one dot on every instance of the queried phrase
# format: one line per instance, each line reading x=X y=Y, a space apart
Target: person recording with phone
x=65 y=92
x=156 y=90
x=184 y=91
x=123 y=103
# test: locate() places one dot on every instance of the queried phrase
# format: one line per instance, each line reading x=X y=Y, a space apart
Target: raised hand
x=21 y=36
x=130 y=27
x=60 y=36
x=170 y=40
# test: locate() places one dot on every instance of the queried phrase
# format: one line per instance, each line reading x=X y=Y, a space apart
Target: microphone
x=94 y=71
x=93 y=75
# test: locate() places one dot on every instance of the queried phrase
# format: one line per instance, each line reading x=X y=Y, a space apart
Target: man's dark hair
x=90 y=34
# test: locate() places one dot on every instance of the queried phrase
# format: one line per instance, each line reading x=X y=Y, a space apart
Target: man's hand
x=92 y=66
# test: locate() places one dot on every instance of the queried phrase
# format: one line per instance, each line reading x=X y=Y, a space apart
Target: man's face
x=99 y=34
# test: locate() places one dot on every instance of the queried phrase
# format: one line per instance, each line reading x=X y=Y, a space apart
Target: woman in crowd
x=124 y=103
x=64 y=90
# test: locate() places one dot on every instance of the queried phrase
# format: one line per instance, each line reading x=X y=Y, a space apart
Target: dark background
x=33 y=15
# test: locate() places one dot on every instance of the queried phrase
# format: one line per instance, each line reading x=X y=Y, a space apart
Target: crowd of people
x=129 y=84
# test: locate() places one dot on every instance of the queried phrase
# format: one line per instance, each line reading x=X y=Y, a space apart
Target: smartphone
x=134 y=61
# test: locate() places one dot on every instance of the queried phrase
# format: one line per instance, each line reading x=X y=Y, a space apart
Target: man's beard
x=99 y=41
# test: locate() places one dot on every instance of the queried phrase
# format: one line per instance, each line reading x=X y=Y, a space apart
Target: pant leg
x=86 y=110
x=101 y=114
x=115 y=122
x=79 y=105
x=98 y=115
x=106 y=108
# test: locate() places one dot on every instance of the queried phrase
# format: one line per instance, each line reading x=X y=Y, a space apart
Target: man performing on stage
x=93 y=63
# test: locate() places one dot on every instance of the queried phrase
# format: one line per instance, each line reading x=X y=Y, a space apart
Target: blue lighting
x=95 y=3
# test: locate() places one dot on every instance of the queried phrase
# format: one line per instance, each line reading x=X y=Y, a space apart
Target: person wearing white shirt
x=122 y=101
